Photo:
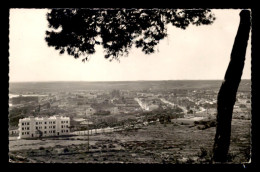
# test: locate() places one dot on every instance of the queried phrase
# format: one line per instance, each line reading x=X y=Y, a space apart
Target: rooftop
x=44 y=118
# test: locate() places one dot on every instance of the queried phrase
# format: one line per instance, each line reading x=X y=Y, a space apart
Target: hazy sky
x=195 y=53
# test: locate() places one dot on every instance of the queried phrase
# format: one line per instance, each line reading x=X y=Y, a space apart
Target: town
x=91 y=112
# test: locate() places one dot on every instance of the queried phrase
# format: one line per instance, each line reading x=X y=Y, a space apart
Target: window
x=36 y=128
x=53 y=126
x=45 y=127
x=22 y=123
x=28 y=123
x=62 y=131
x=22 y=128
x=61 y=126
x=67 y=130
x=36 y=123
x=53 y=131
x=45 y=132
x=27 y=132
x=53 y=122
x=28 y=128
x=22 y=133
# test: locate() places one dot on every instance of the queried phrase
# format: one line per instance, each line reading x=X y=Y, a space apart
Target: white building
x=53 y=126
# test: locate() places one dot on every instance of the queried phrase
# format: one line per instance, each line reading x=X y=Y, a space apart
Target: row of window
x=25 y=123
x=63 y=122
x=40 y=127
x=64 y=126
x=64 y=131
x=24 y=128
x=51 y=131
x=50 y=122
x=45 y=127
x=25 y=133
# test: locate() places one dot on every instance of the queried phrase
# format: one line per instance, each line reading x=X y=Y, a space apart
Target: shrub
x=41 y=148
x=203 y=152
x=65 y=150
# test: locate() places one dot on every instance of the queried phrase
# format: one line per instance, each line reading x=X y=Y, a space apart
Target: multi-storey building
x=32 y=127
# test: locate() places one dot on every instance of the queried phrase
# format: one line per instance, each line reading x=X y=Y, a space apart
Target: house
x=13 y=132
x=32 y=127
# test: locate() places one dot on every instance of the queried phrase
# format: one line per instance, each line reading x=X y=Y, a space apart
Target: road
x=172 y=104
x=142 y=105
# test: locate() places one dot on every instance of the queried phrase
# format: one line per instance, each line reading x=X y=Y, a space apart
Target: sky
x=196 y=53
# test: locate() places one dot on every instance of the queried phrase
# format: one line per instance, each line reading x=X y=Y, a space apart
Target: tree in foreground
x=77 y=31
x=228 y=89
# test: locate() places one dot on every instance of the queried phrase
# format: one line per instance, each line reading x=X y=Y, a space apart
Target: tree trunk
x=228 y=89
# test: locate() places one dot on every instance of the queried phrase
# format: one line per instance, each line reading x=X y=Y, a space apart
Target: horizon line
x=127 y=80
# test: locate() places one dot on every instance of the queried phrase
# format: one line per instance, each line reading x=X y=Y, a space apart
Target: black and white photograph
x=129 y=86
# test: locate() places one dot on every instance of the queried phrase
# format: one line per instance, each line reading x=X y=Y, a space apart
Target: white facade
x=52 y=126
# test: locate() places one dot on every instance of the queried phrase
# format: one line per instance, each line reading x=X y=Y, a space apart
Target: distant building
x=34 y=127
x=13 y=132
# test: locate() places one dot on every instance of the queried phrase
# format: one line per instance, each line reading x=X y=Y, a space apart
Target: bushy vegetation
x=18 y=113
x=164 y=115
x=13 y=121
x=102 y=113
x=204 y=124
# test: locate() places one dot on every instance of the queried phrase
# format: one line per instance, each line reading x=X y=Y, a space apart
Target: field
x=179 y=142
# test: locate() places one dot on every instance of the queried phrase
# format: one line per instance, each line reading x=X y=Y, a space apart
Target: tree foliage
x=77 y=31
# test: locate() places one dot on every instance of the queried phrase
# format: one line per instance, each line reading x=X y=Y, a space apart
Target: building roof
x=43 y=118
